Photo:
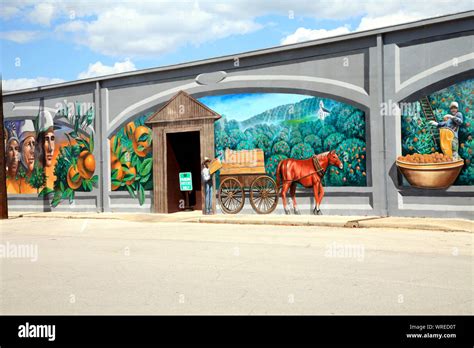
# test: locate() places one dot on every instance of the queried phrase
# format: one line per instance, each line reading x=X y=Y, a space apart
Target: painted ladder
x=429 y=116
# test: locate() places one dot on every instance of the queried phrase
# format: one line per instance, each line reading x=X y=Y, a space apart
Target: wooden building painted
x=183 y=134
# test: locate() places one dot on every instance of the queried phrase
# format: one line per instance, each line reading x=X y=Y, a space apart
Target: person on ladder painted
x=207 y=180
x=448 y=131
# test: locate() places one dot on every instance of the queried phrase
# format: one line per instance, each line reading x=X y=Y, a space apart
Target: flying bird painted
x=322 y=112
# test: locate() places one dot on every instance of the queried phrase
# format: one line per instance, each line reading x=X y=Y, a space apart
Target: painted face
x=334 y=160
x=28 y=153
x=454 y=110
x=13 y=157
x=49 y=148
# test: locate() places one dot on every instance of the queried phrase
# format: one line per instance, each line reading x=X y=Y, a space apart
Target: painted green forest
x=417 y=133
x=299 y=130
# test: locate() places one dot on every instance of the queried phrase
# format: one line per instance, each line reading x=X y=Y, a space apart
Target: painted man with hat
x=46 y=139
x=448 y=131
x=207 y=180
x=27 y=145
x=46 y=144
x=12 y=152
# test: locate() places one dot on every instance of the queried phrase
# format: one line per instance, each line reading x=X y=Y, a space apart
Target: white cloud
x=99 y=69
x=15 y=84
x=96 y=69
x=150 y=28
x=303 y=34
x=374 y=15
x=19 y=36
x=370 y=22
x=8 y=11
x=42 y=13
x=154 y=28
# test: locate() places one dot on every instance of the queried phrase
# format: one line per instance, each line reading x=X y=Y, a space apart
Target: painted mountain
x=305 y=109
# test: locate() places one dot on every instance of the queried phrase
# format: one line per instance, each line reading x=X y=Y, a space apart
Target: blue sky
x=65 y=59
x=242 y=106
x=51 y=41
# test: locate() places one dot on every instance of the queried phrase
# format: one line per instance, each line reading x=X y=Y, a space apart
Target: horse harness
x=318 y=167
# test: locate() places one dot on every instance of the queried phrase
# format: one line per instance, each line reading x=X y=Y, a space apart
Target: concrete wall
x=365 y=70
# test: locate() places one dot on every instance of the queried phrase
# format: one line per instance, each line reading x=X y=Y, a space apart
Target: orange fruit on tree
x=134 y=172
x=116 y=165
x=86 y=164
x=143 y=147
x=74 y=183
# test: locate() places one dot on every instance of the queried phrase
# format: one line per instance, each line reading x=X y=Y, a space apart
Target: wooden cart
x=244 y=171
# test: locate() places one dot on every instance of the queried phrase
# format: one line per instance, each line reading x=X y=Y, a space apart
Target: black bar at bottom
x=452 y=331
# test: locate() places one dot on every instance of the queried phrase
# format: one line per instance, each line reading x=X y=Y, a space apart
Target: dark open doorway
x=183 y=155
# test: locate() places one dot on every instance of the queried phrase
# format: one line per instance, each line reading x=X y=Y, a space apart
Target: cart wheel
x=263 y=195
x=231 y=196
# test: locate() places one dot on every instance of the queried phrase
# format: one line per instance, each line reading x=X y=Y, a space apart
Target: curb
x=269 y=222
x=425 y=227
x=348 y=224
x=368 y=222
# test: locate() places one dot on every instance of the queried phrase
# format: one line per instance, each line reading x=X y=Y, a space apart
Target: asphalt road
x=126 y=267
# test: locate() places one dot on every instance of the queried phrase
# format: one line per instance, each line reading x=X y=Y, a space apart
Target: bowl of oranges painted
x=430 y=171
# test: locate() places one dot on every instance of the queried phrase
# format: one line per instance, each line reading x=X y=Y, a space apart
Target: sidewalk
x=447 y=225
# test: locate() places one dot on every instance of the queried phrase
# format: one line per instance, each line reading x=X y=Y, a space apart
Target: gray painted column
x=377 y=135
x=392 y=136
x=105 y=149
x=99 y=144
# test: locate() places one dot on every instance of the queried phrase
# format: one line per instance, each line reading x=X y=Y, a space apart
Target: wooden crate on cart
x=244 y=171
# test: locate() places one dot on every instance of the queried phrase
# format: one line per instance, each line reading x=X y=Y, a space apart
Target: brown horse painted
x=295 y=171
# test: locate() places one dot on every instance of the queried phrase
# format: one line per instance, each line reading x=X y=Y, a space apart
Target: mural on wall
x=51 y=155
x=131 y=159
x=293 y=126
x=437 y=138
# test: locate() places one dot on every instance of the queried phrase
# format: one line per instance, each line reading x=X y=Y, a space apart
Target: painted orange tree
x=75 y=165
x=417 y=133
x=131 y=159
